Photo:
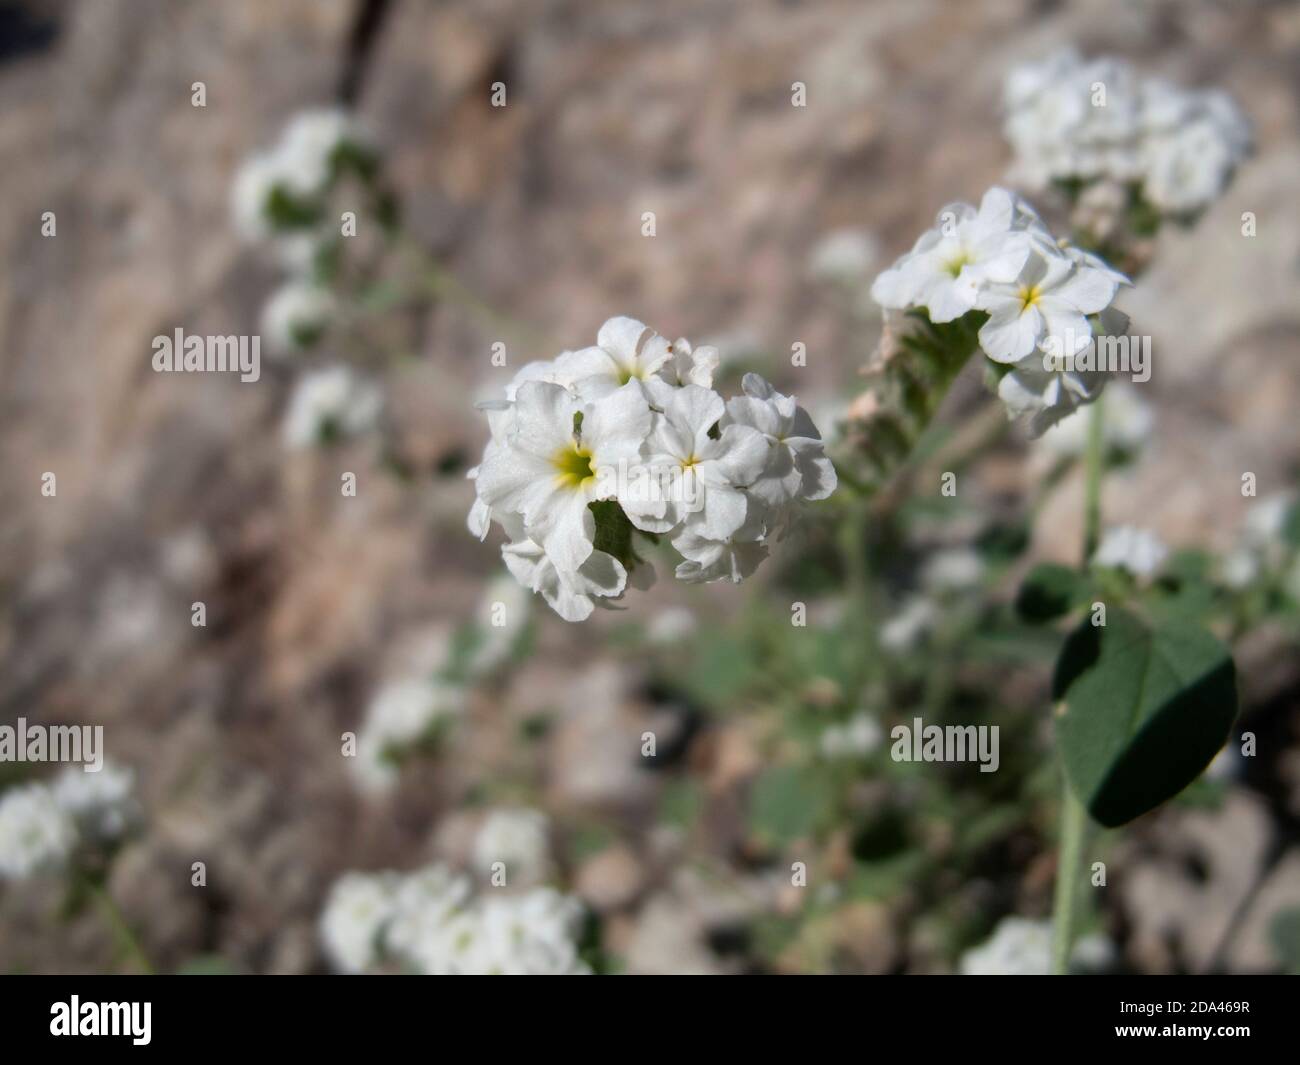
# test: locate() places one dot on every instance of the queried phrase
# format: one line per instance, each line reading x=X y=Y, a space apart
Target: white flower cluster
x=1023 y=947
x=42 y=826
x=328 y=405
x=1071 y=119
x=280 y=190
x=630 y=435
x=431 y=922
x=1044 y=300
x=280 y=195
x=1262 y=548
x=1135 y=551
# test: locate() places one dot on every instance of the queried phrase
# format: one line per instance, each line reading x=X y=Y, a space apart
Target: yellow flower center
x=1028 y=296
x=954 y=265
x=573 y=466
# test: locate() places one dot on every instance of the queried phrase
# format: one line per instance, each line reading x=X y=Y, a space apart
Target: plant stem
x=127 y=942
x=1094 y=467
x=1074 y=820
x=1068 y=864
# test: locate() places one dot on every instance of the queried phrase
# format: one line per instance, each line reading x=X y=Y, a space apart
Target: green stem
x=127 y=942
x=1068 y=866
x=1074 y=820
x=1094 y=467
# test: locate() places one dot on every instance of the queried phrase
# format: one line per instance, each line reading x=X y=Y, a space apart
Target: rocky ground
x=175 y=489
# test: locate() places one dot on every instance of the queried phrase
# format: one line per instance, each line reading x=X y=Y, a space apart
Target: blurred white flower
x=297 y=315
x=401 y=715
x=518 y=838
x=429 y=921
x=1127 y=425
x=359 y=906
x=432 y=927
x=328 y=404
x=954 y=570
x=845 y=256
x=673 y=625
x=1071 y=119
x=855 y=738
x=501 y=619
x=307 y=148
x=1136 y=551
x=534 y=934
x=1018 y=947
x=917 y=616
x=1239 y=568
x=103 y=804
x=36 y=834
x=1266 y=519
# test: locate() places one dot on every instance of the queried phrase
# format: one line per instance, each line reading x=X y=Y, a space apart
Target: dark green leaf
x=1049 y=591
x=1146 y=709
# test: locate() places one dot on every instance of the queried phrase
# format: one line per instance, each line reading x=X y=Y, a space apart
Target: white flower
x=954 y=570
x=1018 y=947
x=686 y=365
x=358 y=908
x=330 y=403
x=102 y=804
x=433 y=924
x=308 y=145
x=1076 y=120
x=626 y=350
x=250 y=195
x=673 y=625
x=1266 y=519
x=945 y=268
x=517 y=838
x=694 y=476
x=299 y=168
x=732 y=559
x=297 y=314
x=572 y=595
x=502 y=616
x=916 y=617
x=36 y=835
x=1127 y=425
x=797 y=466
x=1189 y=160
x=400 y=716
x=1238 y=569
x=856 y=738
x=556 y=446
x=843 y=255
x=534 y=934
x=1045 y=307
x=1136 y=551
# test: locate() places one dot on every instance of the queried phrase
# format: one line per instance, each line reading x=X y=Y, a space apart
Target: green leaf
x=1145 y=710
x=787 y=803
x=1284 y=932
x=1049 y=591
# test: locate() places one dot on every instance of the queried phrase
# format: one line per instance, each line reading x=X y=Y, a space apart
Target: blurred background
x=771 y=221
